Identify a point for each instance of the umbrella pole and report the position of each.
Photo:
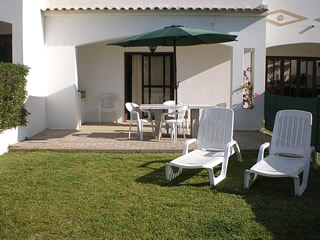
(175, 69)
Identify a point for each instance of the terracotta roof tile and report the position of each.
(212, 9)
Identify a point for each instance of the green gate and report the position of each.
(274, 103)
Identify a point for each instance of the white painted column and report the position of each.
(62, 99)
(249, 119)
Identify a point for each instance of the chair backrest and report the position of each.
(170, 103)
(291, 133)
(107, 100)
(216, 128)
(132, 107)
(181, 113)
(221, 105)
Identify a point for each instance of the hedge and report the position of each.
(13, 94)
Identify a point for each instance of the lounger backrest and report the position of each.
(216, 128)
(291, 133)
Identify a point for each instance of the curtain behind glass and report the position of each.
(137, 79)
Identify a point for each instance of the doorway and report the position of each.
(149, 78)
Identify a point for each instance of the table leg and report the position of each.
(194, 122)
(157, 120)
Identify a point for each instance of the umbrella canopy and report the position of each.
(175, 35)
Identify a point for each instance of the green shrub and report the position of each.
(13, 94)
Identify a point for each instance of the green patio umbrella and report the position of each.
(175, 35)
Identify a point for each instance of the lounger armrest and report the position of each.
(186, 146)
(262, 149)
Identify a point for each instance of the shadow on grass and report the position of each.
(273, 202)
(157, 175)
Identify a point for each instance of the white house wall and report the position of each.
(100, 70)
(33, 57)
(205, 74)
(305, 30)
(295, 50)
(61, 73)
(201, 74)
(251, 37)
(27, 33)
(104, 65)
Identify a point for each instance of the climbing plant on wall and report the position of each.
(13, 94)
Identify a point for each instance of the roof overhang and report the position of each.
(259, 9)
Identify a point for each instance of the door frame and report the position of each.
(128, 74)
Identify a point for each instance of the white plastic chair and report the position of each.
(168, 115)
(221, 105)
(214, 146)
(290, 150)
(135, 117)
(169, 103)
(186, 117)
(176, 121)
(106, 104)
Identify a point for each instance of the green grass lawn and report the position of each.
(47, 195)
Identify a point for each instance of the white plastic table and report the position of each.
(158, 110)
(195, 114)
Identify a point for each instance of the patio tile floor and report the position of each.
(114, 138)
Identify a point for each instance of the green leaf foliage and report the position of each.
(13, 94)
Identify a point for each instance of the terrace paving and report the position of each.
(112, 137)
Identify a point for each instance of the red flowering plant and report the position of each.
(247, 90)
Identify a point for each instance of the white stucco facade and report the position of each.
(100, 68)
(27, 48)
(298, 32)
(64, 44)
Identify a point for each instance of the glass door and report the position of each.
(157, 82)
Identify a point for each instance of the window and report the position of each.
(293, 76)
(157, 79)
(6, 48)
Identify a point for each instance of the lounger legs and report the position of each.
(314, 157)
(237, 150)
(298, 189)
(248, 181)
(215, 180)
(170, 174)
